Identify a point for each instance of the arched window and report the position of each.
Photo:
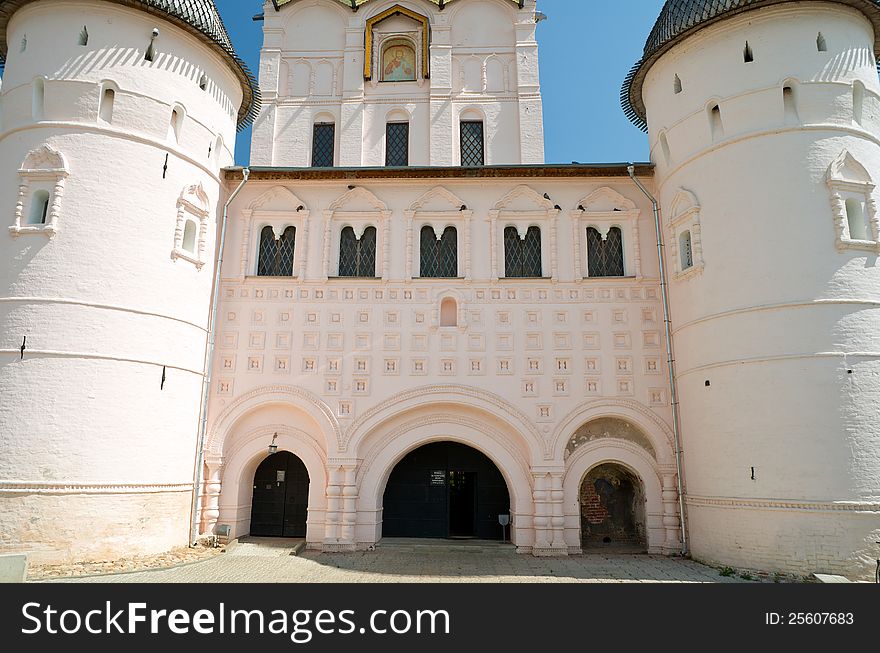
(855, 216)
(190, 231)
(686, 250)
(448, 312)
(108, 100)
(276, 255)
(323, 145)
(605, 255)
(39, 207)
(472, 139)
(439, 258)
(398, 61)
(357, 256)
(522, 256)
(397, 144)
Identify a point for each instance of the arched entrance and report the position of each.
(280, 502)
(612, 501)
(445, 490)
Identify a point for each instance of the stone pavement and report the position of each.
(420, 561)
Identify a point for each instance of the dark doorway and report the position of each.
(281, 497)
(612, 509)
(445, 490)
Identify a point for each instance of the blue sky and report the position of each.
(587, 48)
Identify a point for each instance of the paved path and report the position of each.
(417, 561)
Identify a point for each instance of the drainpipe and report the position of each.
(209, 367)
(664, 293)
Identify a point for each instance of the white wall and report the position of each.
(97, 460)
(782, 321)
(483, 56)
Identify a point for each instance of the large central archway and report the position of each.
(445, 490)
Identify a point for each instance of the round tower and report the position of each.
(116, 118)
(763, 118)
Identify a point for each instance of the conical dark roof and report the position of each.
(199, 17)
(680, 18)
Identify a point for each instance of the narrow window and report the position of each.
(108, 99)
(39, 99)
(858, 101)
(472, 143)
(397, 144)
(855, 215)
(821, 43)
(664, 145)
(438, 258)
(686, 251)
(789, 105)
(522, 256)
(357, 256)
(748, 55)
(150, 54)
(24, 43)
(203, 82)
(39, 207)
(189, 236)
(276, 254)
(676, 85)
(84, 36)
(716, 122)
(448, 313)
(323, 145)
(176, 125)
(605, 255)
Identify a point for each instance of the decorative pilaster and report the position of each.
(671, 519)
(213, 487)
(549, 518)
(341, 518)
(248, 221)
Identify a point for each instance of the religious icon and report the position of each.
(398, 63)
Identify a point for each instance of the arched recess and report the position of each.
(632, 458)
(242, 456)
(388, 443)
(320, 417)
(509, 418)
(651, 425)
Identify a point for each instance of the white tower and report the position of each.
(117, 117)
(763, 120)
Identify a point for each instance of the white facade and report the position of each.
(98, 455)
(338, 342)
(776, 325)
(481, 64)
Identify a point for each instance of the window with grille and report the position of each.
(323, 142)
(276, 255)
(605, 255)
(686, 250)
(439, 257)
(357, 256)
(397, 144)
(522, 257)
(472, 143)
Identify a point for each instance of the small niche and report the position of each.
(858, 102)
(676, 85)
(84, 36)
(448, 313)
(821, 43)
(108, 99)
(664, 145)
(39, 99)
(789, 102)
(716, 122)
(748, 55)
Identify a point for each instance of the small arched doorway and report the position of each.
(445, 490)
(280, 504)
(612, 501)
